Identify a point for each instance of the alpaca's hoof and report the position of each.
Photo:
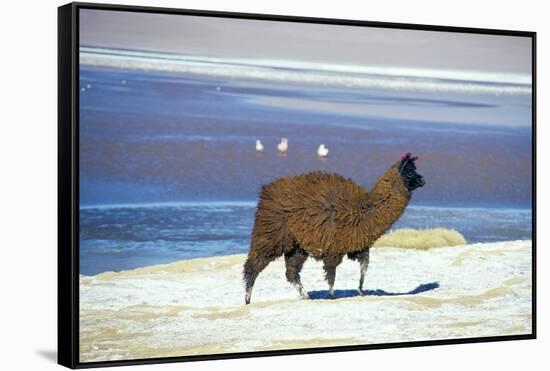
(331, 295)
(361, 292)
(304, 296)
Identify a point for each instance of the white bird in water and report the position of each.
(283, 146)
(322, 151)
(259, 145)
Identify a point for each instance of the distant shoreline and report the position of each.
(337, 75)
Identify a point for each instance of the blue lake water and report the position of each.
(152, 138)
(124, 237)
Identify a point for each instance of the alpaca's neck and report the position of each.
(385, 203)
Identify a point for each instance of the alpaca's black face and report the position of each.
(410, 177)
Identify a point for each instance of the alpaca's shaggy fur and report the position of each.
(325, 216)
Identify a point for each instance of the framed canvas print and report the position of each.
(239, 185)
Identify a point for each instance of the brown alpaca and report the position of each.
(325, 216)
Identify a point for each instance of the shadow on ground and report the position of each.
(50, 355)
(339, 294)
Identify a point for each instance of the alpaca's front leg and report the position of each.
(294, 262)
(329, 266)
(363, 258)
(330, 275)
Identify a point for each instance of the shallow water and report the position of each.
(155, 137)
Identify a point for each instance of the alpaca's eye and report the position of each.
(410, 174)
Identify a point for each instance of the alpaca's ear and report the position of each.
(405, 159)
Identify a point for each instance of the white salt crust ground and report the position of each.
(196, 306)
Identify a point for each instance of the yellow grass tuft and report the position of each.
(421, 239)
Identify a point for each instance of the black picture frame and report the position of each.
(68, 182)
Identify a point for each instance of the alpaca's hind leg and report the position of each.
(250, 276)
(363, 258)
(294, 262)
(329, 266)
